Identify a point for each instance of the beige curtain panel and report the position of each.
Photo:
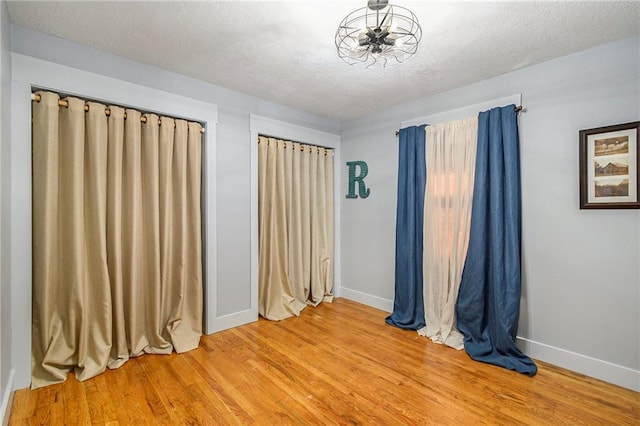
(450, 158)
(295, 215)
(117, 262)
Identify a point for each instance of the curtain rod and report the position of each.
(302, 144)
(107, 111)
(518, 109)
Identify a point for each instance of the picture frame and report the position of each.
(609, 159)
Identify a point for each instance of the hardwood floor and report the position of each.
(337, 363)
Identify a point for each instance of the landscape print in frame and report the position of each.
(609, 159)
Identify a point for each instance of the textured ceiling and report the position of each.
(284, 51)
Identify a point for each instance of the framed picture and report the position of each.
(609, 159)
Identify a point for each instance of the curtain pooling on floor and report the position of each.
(450, 157)
(488, 306)
(408, 307)
(117, 264)
(295, 215)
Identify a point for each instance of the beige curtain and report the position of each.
(450, 156)
(117, 269)
(295, 215)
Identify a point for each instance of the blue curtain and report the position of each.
(408, 305)
(488, 305)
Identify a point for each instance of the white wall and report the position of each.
(5, 134)
(581, 277)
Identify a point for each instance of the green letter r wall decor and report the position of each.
(363, 191)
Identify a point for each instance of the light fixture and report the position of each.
(378, 35)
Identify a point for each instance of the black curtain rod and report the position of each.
(301, 143)
(518, 109)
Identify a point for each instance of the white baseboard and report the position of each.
(367, 299)
(235, 319)
(603, 370)
(7, 397)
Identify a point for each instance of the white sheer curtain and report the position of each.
(450, 157)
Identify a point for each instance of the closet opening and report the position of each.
(117, 236)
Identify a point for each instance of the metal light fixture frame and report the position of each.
(378, 35)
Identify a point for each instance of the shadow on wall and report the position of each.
(524, 323)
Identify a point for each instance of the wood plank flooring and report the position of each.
(337, 363)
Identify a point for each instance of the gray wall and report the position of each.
(233, 171)
(5, 134)
(581, 276)
(233, 141)
(571, 304)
